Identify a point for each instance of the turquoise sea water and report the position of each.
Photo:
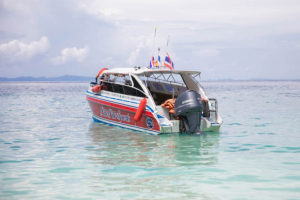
(51, 149)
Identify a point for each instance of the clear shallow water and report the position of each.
(51, 149)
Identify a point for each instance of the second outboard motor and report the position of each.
(188, 107)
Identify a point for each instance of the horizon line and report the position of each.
(70, 78)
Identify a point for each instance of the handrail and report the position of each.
(216, 104)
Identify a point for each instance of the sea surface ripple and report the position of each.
(50, 148)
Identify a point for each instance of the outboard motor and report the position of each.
(188, 107)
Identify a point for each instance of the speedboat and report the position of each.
(152, 100)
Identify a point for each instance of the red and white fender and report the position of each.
(139, 113)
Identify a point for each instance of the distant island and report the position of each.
(65, 78)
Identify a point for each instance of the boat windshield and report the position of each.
(163, 85)
(196, 78)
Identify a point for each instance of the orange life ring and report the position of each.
(139, 113)
(96, 88)
(170, 104)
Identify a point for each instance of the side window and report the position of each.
(108, 86)
(104, 77)
(122, 84)
(129, 90)
(112, 78)
(127, 80)
(136, 84)
(119, 78)
(132, 91)
(118, 88)
(140, 94)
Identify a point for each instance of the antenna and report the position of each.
(168, 40)
(153, 49)
(154, 38)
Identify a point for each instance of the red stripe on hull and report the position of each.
(114, 105)
(122, 114)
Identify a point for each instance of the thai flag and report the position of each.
(168, 62)
(157, 64)
(158, 59)
(152, 62)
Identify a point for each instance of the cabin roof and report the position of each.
(146, 71)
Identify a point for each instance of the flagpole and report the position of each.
(154, 38)
(153, 49)
(168, 41)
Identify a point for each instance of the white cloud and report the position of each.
(16, 50)
(96, 8)
(143, 43)
(109, 11)
(71, 54)
(217, 11)
(16, 6)
(218, 31)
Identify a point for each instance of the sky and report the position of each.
(224, 39)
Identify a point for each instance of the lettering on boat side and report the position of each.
(109, 113)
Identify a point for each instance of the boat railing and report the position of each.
(160, 77)
(213, 108)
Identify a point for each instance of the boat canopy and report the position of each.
(147, 71)
(177, 77)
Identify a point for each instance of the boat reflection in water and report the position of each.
(135, 166)
(115, 146)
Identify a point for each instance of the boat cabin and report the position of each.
(158, 84)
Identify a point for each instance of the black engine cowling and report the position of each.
(188, 107)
